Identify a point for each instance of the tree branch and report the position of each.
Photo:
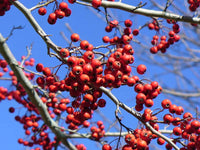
(36, 26)
(35, 99)
(110, 134)
(137, 115)
(42, 5)
(181, 94)
(147, 12)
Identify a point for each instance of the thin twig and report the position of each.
(42, 5)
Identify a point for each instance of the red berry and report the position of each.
(11, 110)
(64, 52)
(168, 118)
(88, 97)
(188, 116)
(151, 26)
(195, 124)
(42, 11)
(148, 102)
(88, 56)
(59, 13)
(99, 123)
(3, 63)
(84, 44)
(179, 110)
(140, 98)
(177, 131)
(106, 39)
(139, 88)
(52, 18)
(46, 71)
(75, 37)
(67, 12)
(77, 70)
(88, 69)
(154, 50)
(108, 28)
(109, 78)
(131, 81)
(72, 61)
(71, 1)
(101, 103)
(96, 3)
(86, 124)
(141, 69)
(135, 32)
(84, 78)
(166, 103)
(113, 23)
(128, 23)
(141, 144)
(171, 33)
(172, 108)
(62, 106)
(139, 107)
(63, 6)
(106, 147)
(176, 121)
(20, 141)
(160, 141)
(154, 84)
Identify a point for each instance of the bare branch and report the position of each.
(11, 32)
(41, 5)
(110, 134)
(181, 94)
(147, 12)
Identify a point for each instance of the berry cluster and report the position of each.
(3, 66)
(127, 34)
(4, 93)
(165, 43)
(154, 25)
(97, 133)
(39, 133)
(193, 5)
(87, 71)
(81, 147)
(61, 12)
(31, 121)
(187, 128)
(4, 6)
(146, 93)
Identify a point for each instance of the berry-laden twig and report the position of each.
(35, 99)
(135, 114)
(36, 26)
(28, 54)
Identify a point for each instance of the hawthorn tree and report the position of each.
(143, 69)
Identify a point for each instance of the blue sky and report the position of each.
(84, 22)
